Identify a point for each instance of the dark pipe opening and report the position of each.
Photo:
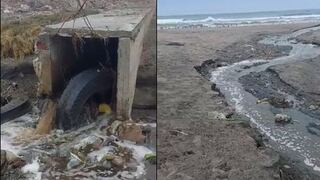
(71, 55)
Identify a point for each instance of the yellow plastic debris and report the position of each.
(105, 108)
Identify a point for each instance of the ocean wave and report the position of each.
(213, 20)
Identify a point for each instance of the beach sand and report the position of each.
(193, 143)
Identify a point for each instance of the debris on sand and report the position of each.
(105, 108)
(221, 115)
(88, 144)
(216, 115)
(263, 101)
(131, 132)
(127, 130)
(152, 158)
(118, 161)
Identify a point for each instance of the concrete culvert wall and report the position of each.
(71, 55)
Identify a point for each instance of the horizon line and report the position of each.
(236, 12)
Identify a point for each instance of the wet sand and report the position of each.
(193, 142)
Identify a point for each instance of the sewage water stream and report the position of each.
(292, 139)
(49, 156)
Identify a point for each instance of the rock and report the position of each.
(246, 67)
(118, 161)
(14, 160)
(221, 64)
(131, 132)
(14, 84)
(10, 161)
(107, 164)
(112, 129)
(213, 87)
(282, 118)
(73, 163)
(224, 64)
(279, 102)
(4, 162)
(229, 113)
(312, 107)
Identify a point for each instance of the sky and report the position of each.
(182, 7)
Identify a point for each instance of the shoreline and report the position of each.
(198, 34)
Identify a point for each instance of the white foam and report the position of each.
(10, 130)
(169, 21)
(33, 170)
(98, 155)
(209, 21)
(138, 154)
(153, 125)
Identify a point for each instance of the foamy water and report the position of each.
(12, 129)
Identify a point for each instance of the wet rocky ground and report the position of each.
(288, 85)
(310, 37)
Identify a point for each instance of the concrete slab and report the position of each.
(114, 23)
(128, 26)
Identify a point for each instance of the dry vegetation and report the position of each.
(17, 37)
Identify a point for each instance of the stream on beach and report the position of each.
(292, 139)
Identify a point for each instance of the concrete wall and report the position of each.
(129, 56)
